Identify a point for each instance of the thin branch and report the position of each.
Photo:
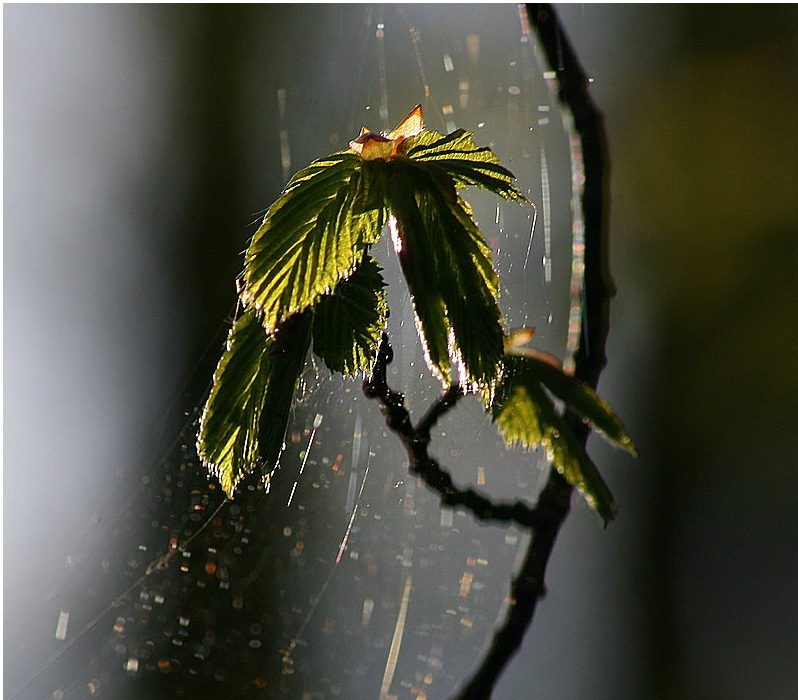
(416, 441)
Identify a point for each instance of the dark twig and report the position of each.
(416, 441)
(554, 500)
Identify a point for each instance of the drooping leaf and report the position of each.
(448, 270)
(348, 324)
(420, 272)
(471, 301)
(244, 420)
(526, 416)
(465, 162)
(581, 399)
(570, 459)
(313, 236)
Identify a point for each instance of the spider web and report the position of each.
(346, 578)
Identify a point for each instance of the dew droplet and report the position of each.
(61, 625)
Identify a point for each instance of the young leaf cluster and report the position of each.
(525, 414)
(309, 281)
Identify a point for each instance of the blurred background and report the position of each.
(142, 144)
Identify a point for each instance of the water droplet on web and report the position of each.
(447, 517)
(61, 625)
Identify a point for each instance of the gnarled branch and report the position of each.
(416, 441)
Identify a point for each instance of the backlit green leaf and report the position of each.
(525, 415)
(458, 156)
(583, 400)
(244, 420)
(570, 459)
(448, 269)
(348, 324)
(307, 274)
(313, 236)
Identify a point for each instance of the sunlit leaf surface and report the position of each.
(460, 158)
(244, 421)
(312, 237)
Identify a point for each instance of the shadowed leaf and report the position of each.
(525, 415)
(449, 272)
(348, 324)
(581, 399)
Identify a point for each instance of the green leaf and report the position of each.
(461, 159)
(313, 236)
(526, 416)
(570, 459)
(244, 420)
(449, 272)
(581, 399)
(348, 324)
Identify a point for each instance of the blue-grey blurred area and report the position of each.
(142, 145)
